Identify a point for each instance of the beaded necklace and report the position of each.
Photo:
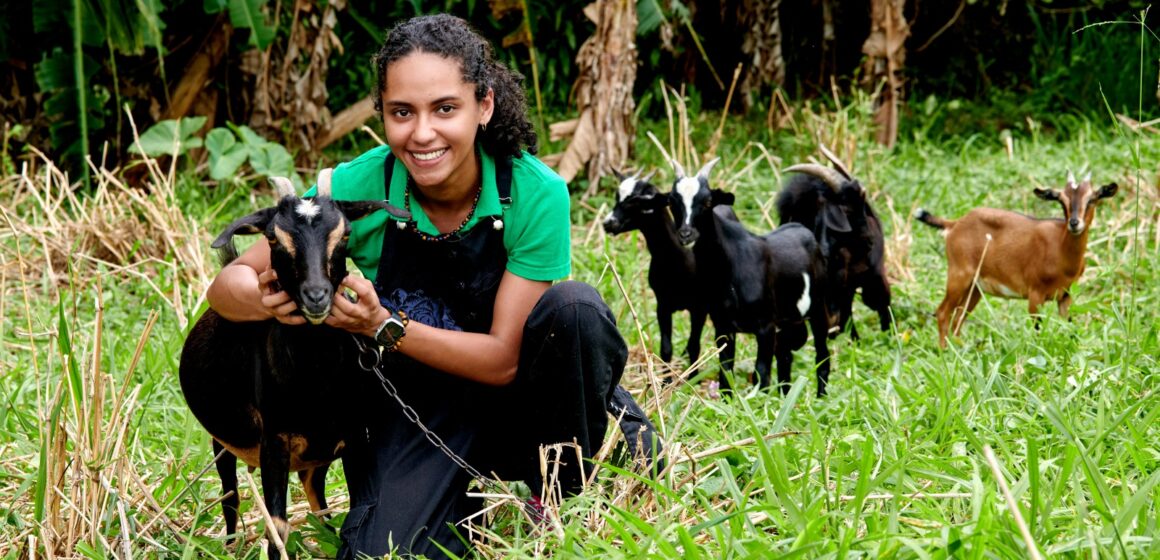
(414, 226)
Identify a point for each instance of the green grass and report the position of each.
(890, 464)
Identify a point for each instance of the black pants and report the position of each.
(406, 494)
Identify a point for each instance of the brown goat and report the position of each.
(1010, 255)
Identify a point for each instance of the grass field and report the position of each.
(99, 456)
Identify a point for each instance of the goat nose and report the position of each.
(315, 296)
(1073, 222)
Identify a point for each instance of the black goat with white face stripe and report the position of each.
(672, 270)
(768, 285)
(266, 392)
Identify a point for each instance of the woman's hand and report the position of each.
(278, 304)
(363, 316)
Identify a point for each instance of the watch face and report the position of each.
(395, 328)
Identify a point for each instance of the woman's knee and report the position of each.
(576, 302)
(571, 292)
(572, 314)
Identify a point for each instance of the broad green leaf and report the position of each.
(226, 155)
(47, 15)
(213, 6)
(219, 140)
(650, 16)
(92, 32)
(248, 14)
(247, 134)
(272, 160)
(167, 138)
(190, 126)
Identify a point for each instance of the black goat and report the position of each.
(849, 233)
(672, 271)
(767, 285)
(267, 392)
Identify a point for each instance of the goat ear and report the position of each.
(357, 209)
(248, 225)
(1107, 191)
(719, 197)
(835, 219)
(654, 201)
(1047, 194)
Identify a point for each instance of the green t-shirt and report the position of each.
(537, 228)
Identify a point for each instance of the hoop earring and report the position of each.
(483, 127)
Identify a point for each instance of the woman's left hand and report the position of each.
(362, 316)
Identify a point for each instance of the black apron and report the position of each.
(400, 483)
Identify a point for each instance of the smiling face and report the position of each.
(431, 117)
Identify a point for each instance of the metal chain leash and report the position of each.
(375, 358)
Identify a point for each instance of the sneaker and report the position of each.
(535, 510)
(642, 438)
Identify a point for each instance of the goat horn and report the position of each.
(705, 169)
(829, 175)
(1087, 178)
(1070, 178)
(680, 171)
(837, 162)
(283, 187)
(616, 173)
(324, 181)
(649, 177)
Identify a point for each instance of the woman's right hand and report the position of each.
(278, 303)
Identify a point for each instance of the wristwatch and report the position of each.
(390, 334)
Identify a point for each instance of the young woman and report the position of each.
(494, 358)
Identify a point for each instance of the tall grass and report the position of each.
(100, 458)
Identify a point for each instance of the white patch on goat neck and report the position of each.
(307, 209)
(687, 188)
(625, 189)
(803, 303)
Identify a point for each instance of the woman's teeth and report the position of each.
(429, 155)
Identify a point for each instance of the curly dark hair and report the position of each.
(448, 36)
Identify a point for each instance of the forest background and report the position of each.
(133, 130)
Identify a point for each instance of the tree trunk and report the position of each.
(197, 72)
(607, 62)
(762, 47)
(290, 87)
(885, 58)
(345, 122)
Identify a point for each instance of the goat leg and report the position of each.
(275, 464)
(784, 354)
(1064, 303)
(766, 346)
(665, 322)
(818, 325)
(314, 484)
(728, 351)
(848, 315)
(227, 468)
(696, 325)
